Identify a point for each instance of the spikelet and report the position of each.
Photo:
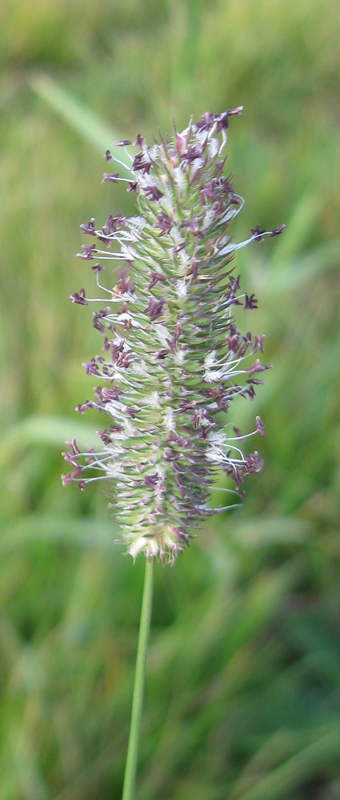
(173, 358)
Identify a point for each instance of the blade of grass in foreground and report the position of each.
(81, 119)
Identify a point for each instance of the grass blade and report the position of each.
(81, 119)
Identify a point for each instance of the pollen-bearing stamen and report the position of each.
(174, 358)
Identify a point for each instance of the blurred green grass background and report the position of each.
(243, 687)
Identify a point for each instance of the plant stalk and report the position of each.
(138, 689)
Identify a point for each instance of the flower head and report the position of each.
(173, 356)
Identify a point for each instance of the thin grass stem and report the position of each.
(138, 690)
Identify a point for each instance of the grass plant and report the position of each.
(243, 671)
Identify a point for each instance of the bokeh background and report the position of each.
(243, 686)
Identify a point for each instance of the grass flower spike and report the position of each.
(173, 355)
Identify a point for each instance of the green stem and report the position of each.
(137, 700)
